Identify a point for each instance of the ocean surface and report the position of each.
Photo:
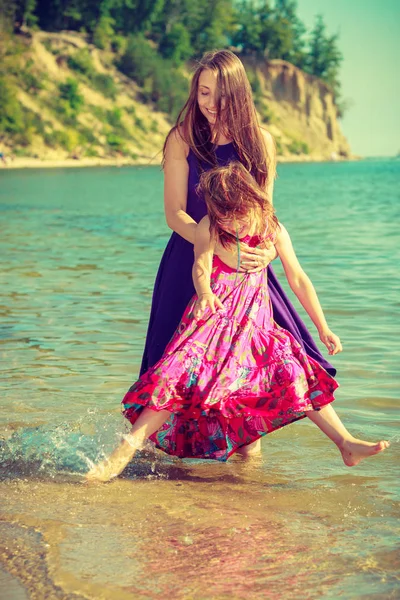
(79, 250)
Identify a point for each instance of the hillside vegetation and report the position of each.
(111, 86)
(64, 98)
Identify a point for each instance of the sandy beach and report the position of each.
(61, 163)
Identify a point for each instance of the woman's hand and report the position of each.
(252, 260)
(331, 341)
(204, 301)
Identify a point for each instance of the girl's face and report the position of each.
(235, 226)
(207, 93)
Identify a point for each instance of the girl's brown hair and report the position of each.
(240, 117)
(231, 192)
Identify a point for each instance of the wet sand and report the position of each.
(200, 530)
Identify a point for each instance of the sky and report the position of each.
(369, 38)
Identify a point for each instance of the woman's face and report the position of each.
(207, 95)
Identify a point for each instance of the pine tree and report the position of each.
(324, 57)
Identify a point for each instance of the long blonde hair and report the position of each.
(240, 117)
(231, 193)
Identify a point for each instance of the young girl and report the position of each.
(230, 374)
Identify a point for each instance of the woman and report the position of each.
(217, 124)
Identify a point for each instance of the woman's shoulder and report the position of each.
(268, 139)
(175, 144)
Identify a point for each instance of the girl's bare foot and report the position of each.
(100, 473)
(253, 449)
(115, 464)
(354, 450)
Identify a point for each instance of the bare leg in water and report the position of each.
(147, 423)
(352, 449)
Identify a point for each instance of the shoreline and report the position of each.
(37, 163)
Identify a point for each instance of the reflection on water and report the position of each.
(79, 251)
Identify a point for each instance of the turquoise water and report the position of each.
(79, 250)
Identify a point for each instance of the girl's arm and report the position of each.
(204, 247)
(304, 290)
(176, 173)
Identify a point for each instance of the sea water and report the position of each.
(79, 251)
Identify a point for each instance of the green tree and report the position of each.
(324, 57)
(251, 23)
(161, 82)
(293, 28)
(16, 13)
(103, 32)
(276, 36)
(55, 15)
(167, 88)
(24, 14)
(133, 16)
(215, 25)
(175, 44)
(208, 22)
(270, 32)
(139, 59)
(51, 14)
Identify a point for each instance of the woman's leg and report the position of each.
(352, 449)
(251, 449)
(148, 423)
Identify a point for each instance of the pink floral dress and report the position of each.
(231, 377)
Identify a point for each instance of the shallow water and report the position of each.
(79, 252)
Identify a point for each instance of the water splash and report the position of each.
(66, 450)
(51, 450)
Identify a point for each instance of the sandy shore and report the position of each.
(37, 163)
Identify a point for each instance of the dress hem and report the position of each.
(231, 452)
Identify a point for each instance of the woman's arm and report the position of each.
(176, 173)
(304, 290)
(202, 267)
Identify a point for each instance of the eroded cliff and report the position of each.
(304, 116)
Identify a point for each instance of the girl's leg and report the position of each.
(353, 450)
(148, 422)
